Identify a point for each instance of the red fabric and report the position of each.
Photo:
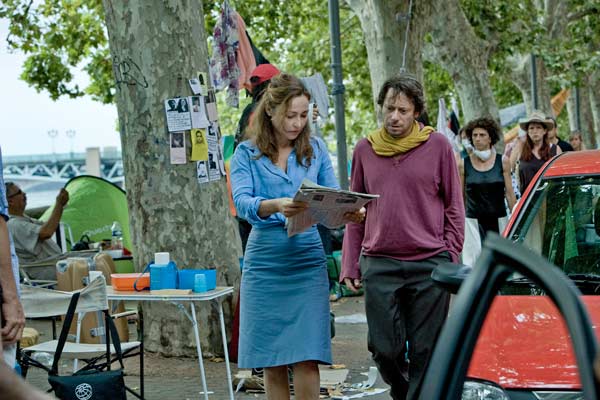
(264, 72)
(244, 55)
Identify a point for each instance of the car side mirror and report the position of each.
(450, 275)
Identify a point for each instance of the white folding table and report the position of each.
(217, 294)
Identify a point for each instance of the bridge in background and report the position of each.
(59, 168)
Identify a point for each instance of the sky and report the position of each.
(27, 115)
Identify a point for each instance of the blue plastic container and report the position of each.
(200, 283)
(186, 278)
(163, 276)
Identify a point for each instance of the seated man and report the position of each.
(32, 238)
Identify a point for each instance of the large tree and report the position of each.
(465, 56)
(156, 46)
(384, 26)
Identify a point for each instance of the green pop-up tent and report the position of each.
(94, 204)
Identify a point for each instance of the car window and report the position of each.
(561, 223)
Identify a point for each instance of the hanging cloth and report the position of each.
(244, 54)
(258, 56)
(442, 125)
(224, 71)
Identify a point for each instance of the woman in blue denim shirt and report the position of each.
(284, 306)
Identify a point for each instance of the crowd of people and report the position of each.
(435, 205)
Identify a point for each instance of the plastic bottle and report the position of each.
(117, 236)
(163, 272)
(46, 359)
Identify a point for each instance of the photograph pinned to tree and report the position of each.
(178, 115)
(198, 85)
(199, 145)
(195, 86)
(177, 147)
(220, 160)
(198, 113)
(214, 130)
(202, 171)
(212, 137)
(211, 105)
(214, 173)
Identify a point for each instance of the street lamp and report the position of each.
(53, 133)
(71, 134)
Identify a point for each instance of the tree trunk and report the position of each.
(587, 114)
(156, 46)
(384, 37)
(465, 57)
(594, 96)
(554, 12)
(521, 75)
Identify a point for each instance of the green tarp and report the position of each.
(94, 204)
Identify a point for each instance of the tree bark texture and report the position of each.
(384, 30)
(465, 56)
(156, 46)
(594, 97)
(586, 126)
(521, 75)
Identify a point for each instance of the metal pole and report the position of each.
(534, 97)
(577, 110)
(337, 92)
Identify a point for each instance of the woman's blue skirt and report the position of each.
(284, 305)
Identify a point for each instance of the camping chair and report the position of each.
(25, 270)
(41, 303)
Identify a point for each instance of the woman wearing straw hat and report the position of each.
(533, 148)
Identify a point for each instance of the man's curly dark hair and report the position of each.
(487, 123)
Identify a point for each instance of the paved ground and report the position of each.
(179, 378)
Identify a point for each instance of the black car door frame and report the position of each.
(448, 367)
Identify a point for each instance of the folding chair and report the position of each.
(42, 303)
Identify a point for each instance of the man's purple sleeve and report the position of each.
(454, 208)
(353, 236)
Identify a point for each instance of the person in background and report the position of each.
(576, 141)
(465, 145)
(415, 224)
(486, 178)
(12, 315)
(553, 136)
(533, 149)
(33, 238)
(259, 79)
(284, 315)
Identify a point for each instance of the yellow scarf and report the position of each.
(386, 145)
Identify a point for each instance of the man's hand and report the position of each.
(62, 198)
(12, 312)
(315, 115)
(358, 217)
(289, 207)
(353, 284)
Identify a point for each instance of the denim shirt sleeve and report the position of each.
(3, 201)
(243, 185)
(326, 175)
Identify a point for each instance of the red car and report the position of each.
(524, 350)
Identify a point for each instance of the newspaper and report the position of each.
(326, 206)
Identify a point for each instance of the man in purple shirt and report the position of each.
(415, 224)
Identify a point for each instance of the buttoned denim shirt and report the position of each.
(256, 179)
(4, 214)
